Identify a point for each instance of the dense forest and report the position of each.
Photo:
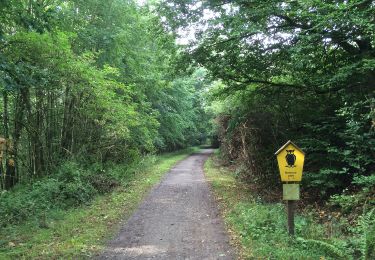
(86, 85)
(299, 70)
(86, 81)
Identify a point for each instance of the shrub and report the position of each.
(70, 186)
(30, 200)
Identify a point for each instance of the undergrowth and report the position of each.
(73, 213)
(259, 228)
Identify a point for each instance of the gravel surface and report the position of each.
(178, 220)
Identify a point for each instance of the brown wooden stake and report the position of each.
(290, 205)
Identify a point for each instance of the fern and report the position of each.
(367, 235)
(332, 250)
(365, 242)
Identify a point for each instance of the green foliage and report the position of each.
(29, 201)
(264, 228)
(260, 222)
(364, 242)
(92, 82)
(182, 116)
(74, 184)
(296, 71)
(262, 232)
(70, 186)
(82, 232)
(328, 249)
(365, 181)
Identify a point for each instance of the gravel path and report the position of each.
(178, 220)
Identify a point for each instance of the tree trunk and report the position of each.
(37, 135)
(4, 153)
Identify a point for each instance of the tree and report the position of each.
(90, 82)
(293, 70)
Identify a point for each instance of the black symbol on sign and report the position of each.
(290, 158)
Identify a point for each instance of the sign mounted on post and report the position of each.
(290, 159)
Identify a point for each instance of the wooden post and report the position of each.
(290, 206)
(290, 159)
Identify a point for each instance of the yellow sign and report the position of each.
(290, 159)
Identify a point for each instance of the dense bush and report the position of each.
(71, 185)
(339, 147)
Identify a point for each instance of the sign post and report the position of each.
(290, 159)
(290, 210)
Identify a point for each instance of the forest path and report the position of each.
(178, 220)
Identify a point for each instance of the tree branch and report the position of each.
(266, 82)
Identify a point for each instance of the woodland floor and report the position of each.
(178, 220)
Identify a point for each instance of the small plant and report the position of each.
(262, 232)
(364, 242)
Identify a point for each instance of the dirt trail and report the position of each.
(178, 220)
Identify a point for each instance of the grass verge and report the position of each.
(82, 232)
(259, 229)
